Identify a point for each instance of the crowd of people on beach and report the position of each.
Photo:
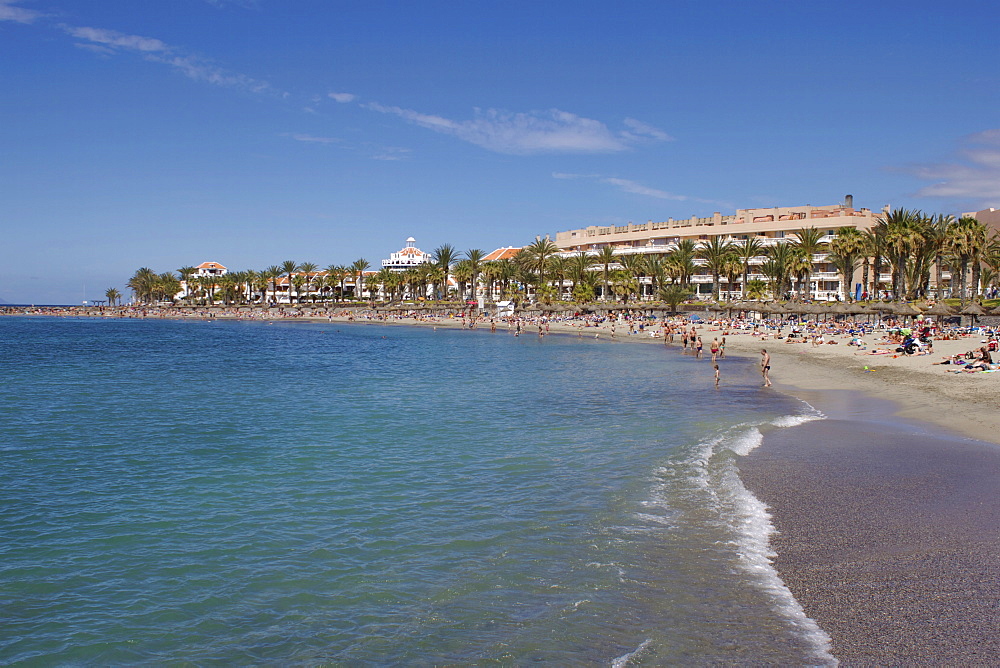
(887, 338)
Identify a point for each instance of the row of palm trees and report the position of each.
(906, 244)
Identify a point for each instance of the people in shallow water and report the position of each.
(765, 367)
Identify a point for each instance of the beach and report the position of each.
(887, 531)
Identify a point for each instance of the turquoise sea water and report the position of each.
(295, 493)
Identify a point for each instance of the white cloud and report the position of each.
(973, 178)
(9, 12)
(639, 130)
(342, 97)
(315, 140)
(551, 131)
(391, 153)
(635, 188)
(112, 38)
(638, 189)
(195, 68)
(107, 42)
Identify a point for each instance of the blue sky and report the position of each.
(164, 133)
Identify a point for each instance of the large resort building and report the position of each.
(773, 225)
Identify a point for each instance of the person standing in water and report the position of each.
(716, 376)
(765, 367)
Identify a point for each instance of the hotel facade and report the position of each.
(772, 226)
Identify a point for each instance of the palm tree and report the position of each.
(309, 269)
(558, 268)
(475, 257)
(112, 295)
(186, 273)
(902, 236)
(606, 257)
(289, 267)
(674, 294)
(680, 261)
(207, 284)
(716, 252)
(143, 284)
(271, 274)
(337, 274)
(733, 271)
(968, 243)
(624, 284)
(463, 274)
(747, 251)
(849, 245)
(535, 257)
(936, 236)
(444, 256)
(657, 271)
(779, 265)
(809, 241)
(384, 279)
(358, 269)
(635, 266)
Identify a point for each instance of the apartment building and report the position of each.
(772, 225)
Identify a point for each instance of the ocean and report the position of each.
(350, 494)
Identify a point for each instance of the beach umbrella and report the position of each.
(974, 309)
(996, 311)
(905, 309)
(940, 309)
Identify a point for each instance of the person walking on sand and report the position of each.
(765, 367)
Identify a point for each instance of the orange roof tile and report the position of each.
(502, 254)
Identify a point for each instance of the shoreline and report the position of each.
(886, 527)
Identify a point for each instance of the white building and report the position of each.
(407, 258)
(210, 269)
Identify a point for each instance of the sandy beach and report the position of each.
(887, 525)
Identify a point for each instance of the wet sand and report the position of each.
(889, 533)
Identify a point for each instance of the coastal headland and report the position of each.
(887, 527)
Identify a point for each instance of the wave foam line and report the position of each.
(625, 659)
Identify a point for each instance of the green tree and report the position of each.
(715, 253)
(751, 248)
(289, 267)
(606, 258)
(444, 256)
(674, 294)
(809, 241)
(476, 263)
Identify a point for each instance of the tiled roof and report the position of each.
(502, 254)
(209, 265)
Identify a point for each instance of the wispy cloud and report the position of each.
(192, 66)
(314, 140)
(343, 98)
(391, 153)
(637, 130)
(9, 11)
(625, 185)
(551, 131)
(634, 187)
(114, 39)
(974, 176)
